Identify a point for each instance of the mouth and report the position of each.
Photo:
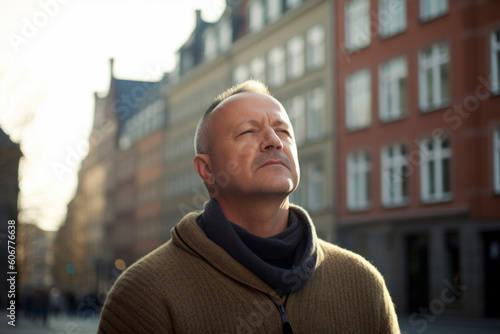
(273, 163)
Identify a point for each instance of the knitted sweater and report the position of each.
(191, 285)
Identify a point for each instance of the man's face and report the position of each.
(253, 149)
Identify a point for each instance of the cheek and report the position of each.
(245, 147)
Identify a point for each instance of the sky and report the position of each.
(54, 54)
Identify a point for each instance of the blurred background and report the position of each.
(395, 106)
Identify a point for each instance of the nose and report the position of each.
(271, 141)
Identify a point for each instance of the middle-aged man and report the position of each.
(251, 261)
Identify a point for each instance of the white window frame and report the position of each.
(210, 44)
(432, 163)
(297, 197)
(439, 57)
(358, 181)
(496, 160)
(258, 69)
(495, 61)
(393, 77)
(276, 70)
(225, 32)
(255, 16)
(358, 100)
(315, 187)
(297, 113)
(290, 4)
(394, 175)
(392, 17)
(315, 50)
(431, 9)
(357, 24)
(316, 113)
(274, 10)
(240, 74)
(295, 62)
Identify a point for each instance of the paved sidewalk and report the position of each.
(55, 325)
(448, 325)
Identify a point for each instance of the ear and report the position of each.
(203, 166)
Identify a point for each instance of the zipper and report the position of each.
(287, 326)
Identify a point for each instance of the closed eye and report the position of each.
(284, 131)
(247, 131)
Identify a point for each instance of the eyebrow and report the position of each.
(255, 122)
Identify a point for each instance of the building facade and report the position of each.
(418, 149)
(10, 155)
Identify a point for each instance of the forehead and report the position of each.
(249, 106)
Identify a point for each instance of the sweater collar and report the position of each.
(285, 261)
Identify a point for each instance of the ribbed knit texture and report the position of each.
(191, 285)
(285, 261)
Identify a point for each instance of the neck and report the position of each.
(262, 218)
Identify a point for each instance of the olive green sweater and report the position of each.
(191, 285)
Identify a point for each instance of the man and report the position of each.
(251, 261)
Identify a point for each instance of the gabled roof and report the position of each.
(6, 142)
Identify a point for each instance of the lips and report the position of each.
(273, 162)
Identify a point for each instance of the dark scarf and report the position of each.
(284, 261)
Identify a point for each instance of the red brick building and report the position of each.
(419, 149)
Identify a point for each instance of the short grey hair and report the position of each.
(203, 138)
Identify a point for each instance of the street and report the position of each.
(67, 325)
(55, 325)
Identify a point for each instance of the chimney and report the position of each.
(111, 66)
(198, 17)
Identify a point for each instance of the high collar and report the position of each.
(189, 236)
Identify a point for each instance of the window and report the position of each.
(240, 74)
(430, 9)
(273, 10)
(357, 24)
(495, 61)
(225, 35)
(392, 94)
(295, 57)
(358, 181)
(391, 17)
(394, 175)
(296, 113)
(316, 113)
(315, 47)
(435, 169)
(293, 3)
(276, 66)
(256, 16)
(297, 196)
(434, 77)
(496, 160)
(258, 69)
(358, 100)
(315, 187)
(210, 44)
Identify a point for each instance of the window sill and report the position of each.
(392, 34)
(443, 105)
(444, 199)
(359, 209)
(387, 120)
(424, 20)
(354, 49)
(357, 128)
(401, 204)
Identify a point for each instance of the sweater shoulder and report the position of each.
(347, 262)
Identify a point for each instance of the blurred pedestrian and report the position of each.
(251, 261)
